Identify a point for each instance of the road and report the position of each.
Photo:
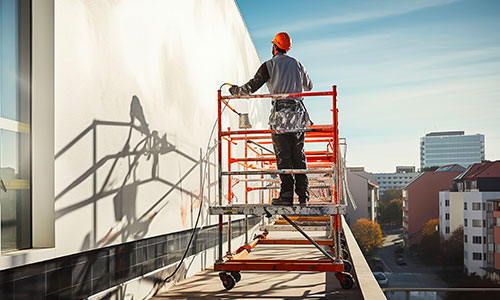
(414, 274)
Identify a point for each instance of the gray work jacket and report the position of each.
(284, 75)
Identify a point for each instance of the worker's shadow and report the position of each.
(123, 186)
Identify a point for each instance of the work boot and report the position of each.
(282, 201)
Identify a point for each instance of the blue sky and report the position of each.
(403, 69)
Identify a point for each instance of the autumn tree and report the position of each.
(368, 235)
(430, 227)
(429, 245)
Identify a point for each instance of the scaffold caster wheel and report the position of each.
(345, 279)
(345, 254)
(347, 265)
(227, 280)
(236, 275)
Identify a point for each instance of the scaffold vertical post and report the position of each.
(336, 226)
(229, 191)
(219, 167)
(246, 192)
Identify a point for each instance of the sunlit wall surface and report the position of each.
(15, 114)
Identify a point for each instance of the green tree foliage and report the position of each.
(389, 195)
(368, 235)
(429, 245)
(392, 213)
(452, 250)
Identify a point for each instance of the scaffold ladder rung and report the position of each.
(279, 172)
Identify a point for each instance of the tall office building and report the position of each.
(451, 147)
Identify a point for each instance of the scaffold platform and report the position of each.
(265, 209)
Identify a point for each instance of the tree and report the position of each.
(392, 213)
(453, 249)
(368, 235)
(430, 228)
(429, 246)
(389, 195)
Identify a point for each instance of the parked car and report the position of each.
(376, 265)
(401, 261)
(382, 280)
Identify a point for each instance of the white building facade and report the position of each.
(475, 230)
(398, 180)
(365, 195)
(106, 142)
(451, 212)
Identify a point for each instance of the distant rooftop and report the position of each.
(441, 133)
(451, 168)
(484, 169)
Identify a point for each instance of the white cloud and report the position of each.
(370, 10)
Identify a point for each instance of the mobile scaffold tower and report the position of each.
(326, 203)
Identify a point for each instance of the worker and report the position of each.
(289, 118)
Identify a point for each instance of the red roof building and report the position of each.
(421, 200)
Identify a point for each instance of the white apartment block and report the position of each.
(475, 230)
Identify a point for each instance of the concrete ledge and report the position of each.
(366, 281)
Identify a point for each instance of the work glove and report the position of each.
(235, 90)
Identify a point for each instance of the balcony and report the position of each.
(284, 285)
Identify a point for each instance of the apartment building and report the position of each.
(475, 190)
(493, 239)
(398, 180)
(421, 200)
(365, 195)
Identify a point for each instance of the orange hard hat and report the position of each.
(283, 41)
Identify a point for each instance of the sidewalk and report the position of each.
(266, 285)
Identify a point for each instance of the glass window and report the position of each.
(15, 115)
(476, 256)
(465, 238)
(476, 240)
(447, 216)
(476, 206)
(476, 223)
(447, 229)
(465, 205)
(446, 202)
(465, 222)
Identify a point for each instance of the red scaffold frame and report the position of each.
(319, 162)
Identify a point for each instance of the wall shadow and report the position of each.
(149, 148)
